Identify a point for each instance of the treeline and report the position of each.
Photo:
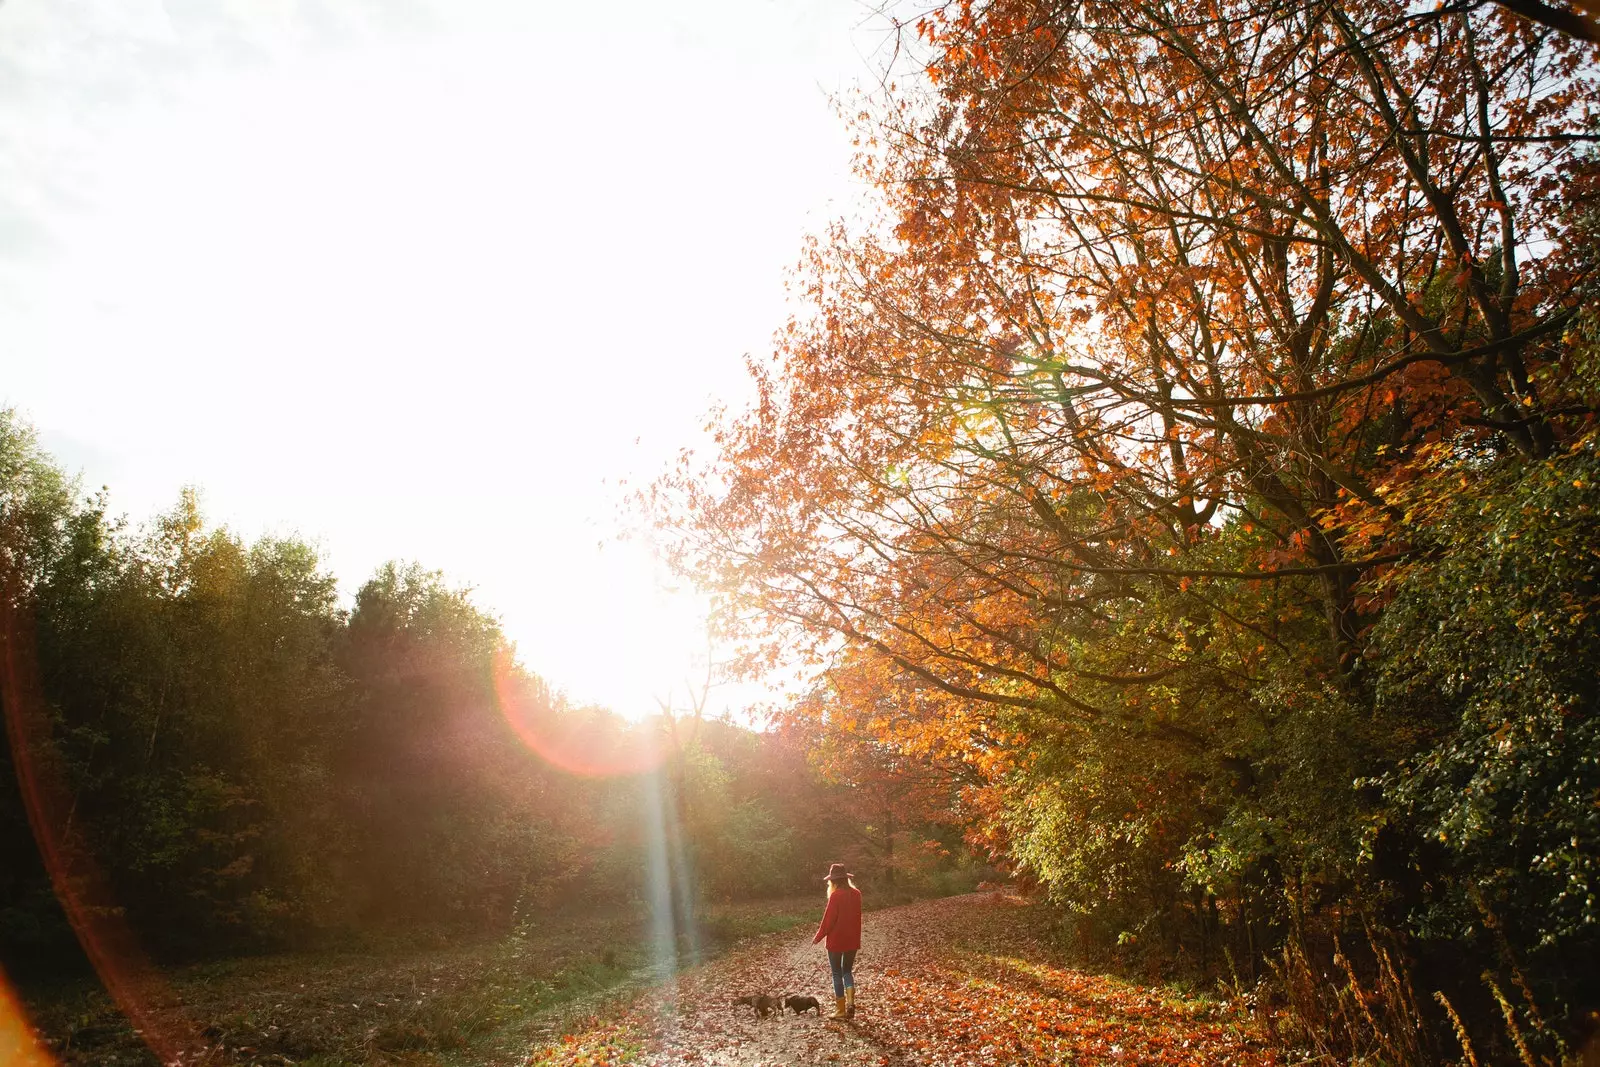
(1196, 462)
(223, 757)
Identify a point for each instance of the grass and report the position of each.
(475, 1003)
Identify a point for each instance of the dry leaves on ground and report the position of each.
(958, 981)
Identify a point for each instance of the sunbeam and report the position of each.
(653, 817)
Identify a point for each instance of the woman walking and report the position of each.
(841, 925)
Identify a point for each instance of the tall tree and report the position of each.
(1099, 454)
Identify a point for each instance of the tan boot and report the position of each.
(850, 1002)
(839, 1010)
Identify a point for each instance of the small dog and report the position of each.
(802, 1004)
(763, 1004)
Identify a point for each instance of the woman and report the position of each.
(841, 925)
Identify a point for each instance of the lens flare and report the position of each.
(588, 743)
(122, 967)
(18, 1046)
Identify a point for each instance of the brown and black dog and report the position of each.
(802, 1004)
(763, 1004)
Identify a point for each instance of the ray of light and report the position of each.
(658, 872)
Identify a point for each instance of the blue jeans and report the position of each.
(841, 962)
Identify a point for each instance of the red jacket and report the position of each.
(841, 923)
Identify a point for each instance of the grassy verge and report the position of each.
(480, 1003)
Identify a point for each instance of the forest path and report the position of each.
(962, 980)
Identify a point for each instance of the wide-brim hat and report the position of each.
(837, 873)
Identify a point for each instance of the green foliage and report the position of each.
(1494, 641)
(36, 508)
(250, 765)
(1102, 842)
(752, 854)
(1439, 792)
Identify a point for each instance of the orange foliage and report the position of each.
(1156, 306)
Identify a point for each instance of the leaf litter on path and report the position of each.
(958, 981)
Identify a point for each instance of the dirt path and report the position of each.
(956, 981)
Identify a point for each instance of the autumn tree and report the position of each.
(1098, 453)
(894, 807)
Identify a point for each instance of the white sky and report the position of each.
(415, 281)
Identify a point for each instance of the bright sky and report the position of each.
(417, 280)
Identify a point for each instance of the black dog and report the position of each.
(763, 1004)
(802, 1004)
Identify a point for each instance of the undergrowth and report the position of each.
(406, 1006)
